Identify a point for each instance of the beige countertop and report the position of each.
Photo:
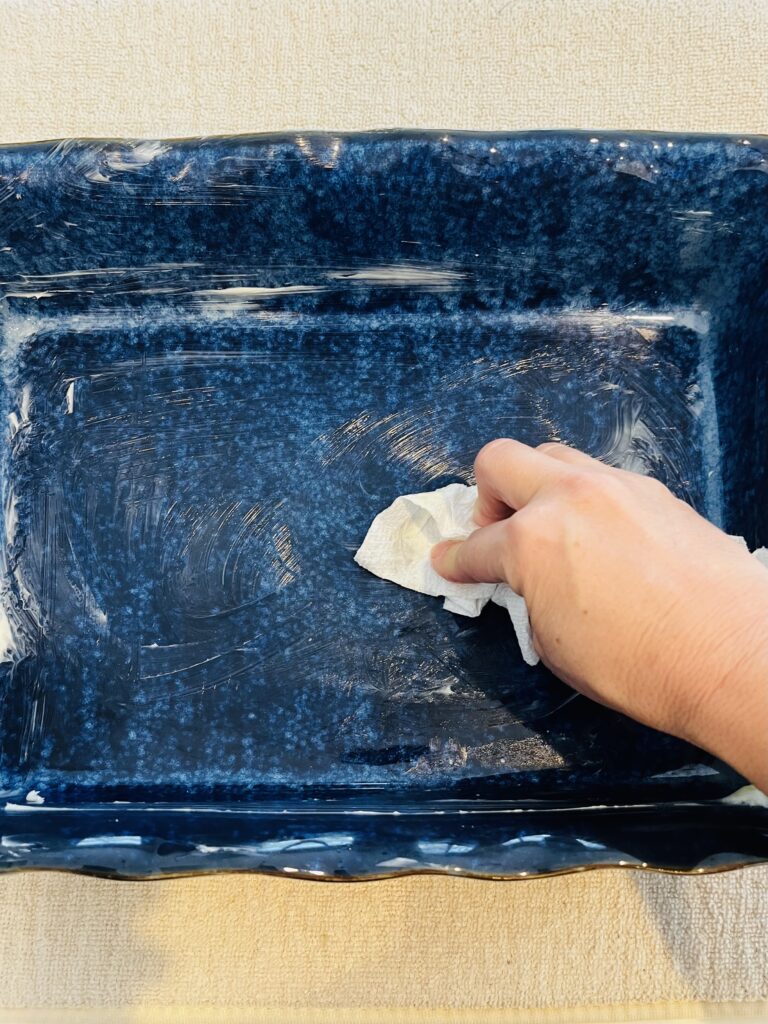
(423, 948)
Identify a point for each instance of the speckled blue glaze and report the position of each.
(220, 359)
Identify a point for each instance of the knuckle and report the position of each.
(577, 486)
(654, 487)
(593, 488)
(523, 528)
(529, 535)
(550, 447)
(515, 528)
(489, 453)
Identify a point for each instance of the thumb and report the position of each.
(484, 557)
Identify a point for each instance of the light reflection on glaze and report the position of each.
(221, 560)
(217, 372)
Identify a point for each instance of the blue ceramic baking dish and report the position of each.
(220, 359)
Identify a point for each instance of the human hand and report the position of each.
(634, 599)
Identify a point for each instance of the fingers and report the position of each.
(485, 556)
(509, 474)
(571, 456)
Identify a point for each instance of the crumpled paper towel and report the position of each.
(400, 539)
(398, 545)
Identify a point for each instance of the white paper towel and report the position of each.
(398, 544)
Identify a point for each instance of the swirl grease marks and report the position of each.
(182, 508)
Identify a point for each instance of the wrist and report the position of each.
(728, 708)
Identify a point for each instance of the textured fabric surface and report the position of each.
(603, 936)
(185, 67)
(164, 67)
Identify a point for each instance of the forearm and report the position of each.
(634, 598)
(731, 721)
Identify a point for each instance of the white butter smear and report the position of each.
(747, 796)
